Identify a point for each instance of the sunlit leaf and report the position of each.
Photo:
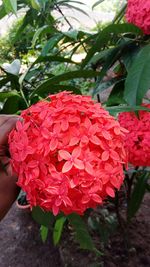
(58, 228)
(10, 5)
(44, 232)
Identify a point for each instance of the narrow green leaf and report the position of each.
(44, 232)
(64, 77)
(53, 41)
(41, 59)
(35, 4)
(10, 5)
(117, 109)
(58, 228)
(2, 12)
(97, 3)
(42, 218)
(120, 14)
(38, 33)
(73, 34)
(138, 78)
(47, 89)
(4, 95)
(138, 194)
(81, 233)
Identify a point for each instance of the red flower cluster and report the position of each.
(68, 153)
(138, 13)
(137, 140)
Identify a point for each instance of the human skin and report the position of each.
(8, 187)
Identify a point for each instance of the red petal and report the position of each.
(85, 139)
(45, 133)
(114, 155)
(117, 130)
(32, 164)
(110, 191)
(35, 172)
(19, 126)
(85, 199)
(64, 125)
(78, 164)
(87, 123)
(106, 135)
(105, 155)
(55, 210)
(89, 168)
(64, 154)
(53, 144)
(73, 141)
(95, 140)
(58, 201)
(67, 201)
(76, 152)
(96, 198)
(67, 166)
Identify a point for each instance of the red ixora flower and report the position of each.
(137, 140)
(138, 13)
(68, 153)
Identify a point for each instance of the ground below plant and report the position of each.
(21, 246)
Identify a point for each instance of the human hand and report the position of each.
(8, 187)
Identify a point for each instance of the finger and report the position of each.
(5, 118)
(5, 129)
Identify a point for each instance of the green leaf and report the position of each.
(64, 77)
(58, 228)
(97, 3)
(138, 78)
(107, 84)
(42, 218)
(10, 6)
(44, 232)
(11, 105)
(117, 109)
(73, 34)
(51, 43)
(4, 95)
(41, 59)
(47, 89)
(138, 194)
(38, 33)
(2, 11)
(116, 95)
(26, 21)
(106, 35)
(81, 233)
(112, 56)
(36, 4)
